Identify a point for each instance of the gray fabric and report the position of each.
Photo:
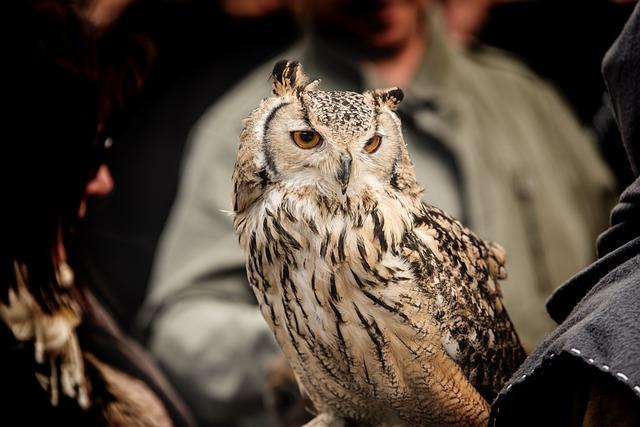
(524, 175)
(599, 308)
(621, 68)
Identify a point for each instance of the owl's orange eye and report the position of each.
(373, 144)
(306, 138)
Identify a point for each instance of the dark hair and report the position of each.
(50, 138)
(61, 97)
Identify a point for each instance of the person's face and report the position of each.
(384, 25)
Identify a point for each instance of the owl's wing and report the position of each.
(459, 274)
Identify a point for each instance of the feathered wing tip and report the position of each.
(54, 337)
(497, 261)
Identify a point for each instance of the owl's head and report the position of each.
(338, 144)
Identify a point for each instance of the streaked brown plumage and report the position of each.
(388, 309)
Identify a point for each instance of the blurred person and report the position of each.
(587, 371)
(495, 145)
(63, 359)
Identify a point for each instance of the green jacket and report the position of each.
(490, 142)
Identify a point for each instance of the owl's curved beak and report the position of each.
(344, 173)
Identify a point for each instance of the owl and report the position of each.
(388, 310)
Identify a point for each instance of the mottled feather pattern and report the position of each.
(388, 310)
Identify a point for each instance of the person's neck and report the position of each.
(400, 68)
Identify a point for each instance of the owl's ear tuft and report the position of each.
(389, 97)
(287, 77)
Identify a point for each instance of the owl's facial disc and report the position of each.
(338, 143)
